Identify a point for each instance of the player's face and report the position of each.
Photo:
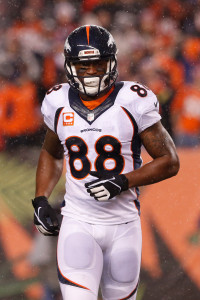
(91, 68)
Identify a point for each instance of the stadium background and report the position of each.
(159, 45)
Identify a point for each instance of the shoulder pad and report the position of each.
(142, 104)
(55, 98)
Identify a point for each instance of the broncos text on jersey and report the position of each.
(105, 138)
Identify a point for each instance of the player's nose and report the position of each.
(91, 69)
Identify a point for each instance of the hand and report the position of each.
(106, 187)
(45, 218)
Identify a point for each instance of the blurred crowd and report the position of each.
(158, 45)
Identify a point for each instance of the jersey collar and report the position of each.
(91, 115)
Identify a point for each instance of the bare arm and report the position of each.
(50, 165)
(165, 163)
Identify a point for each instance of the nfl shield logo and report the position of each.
(90, 117)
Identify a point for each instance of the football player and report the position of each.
(99, 126)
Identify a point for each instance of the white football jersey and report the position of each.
(106, 138)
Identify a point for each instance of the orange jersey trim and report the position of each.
(94, 103)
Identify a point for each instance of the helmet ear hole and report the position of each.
(90, 43)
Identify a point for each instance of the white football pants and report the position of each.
(92, 256)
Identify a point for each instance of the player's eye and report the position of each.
(84, 64)
(82, 67)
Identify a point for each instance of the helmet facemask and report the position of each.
(91, 85)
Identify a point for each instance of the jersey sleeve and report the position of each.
(48, 112)
(147, 111)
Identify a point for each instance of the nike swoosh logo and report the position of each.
(100, 182)
(38, 218)
(156, 104)
(39, 210)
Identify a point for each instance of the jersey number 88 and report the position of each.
(106, 147)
